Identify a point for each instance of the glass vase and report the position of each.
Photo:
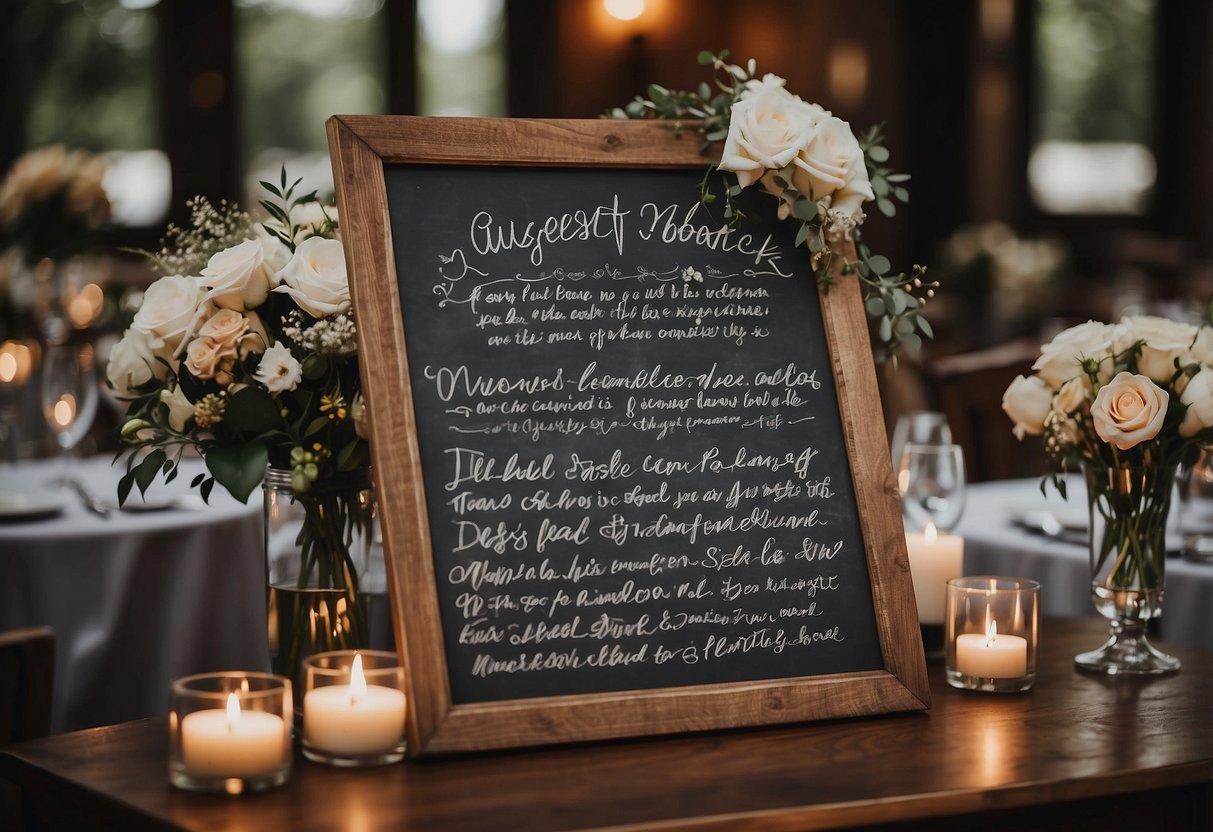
(1128, 510)
(319, 557)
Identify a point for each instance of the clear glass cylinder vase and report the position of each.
(1128, 518)
(321, 564)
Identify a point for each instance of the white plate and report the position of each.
(17, 505)
(1051, 519)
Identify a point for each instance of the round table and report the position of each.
(136, 598)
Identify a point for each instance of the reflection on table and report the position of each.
(1007, 531)
(136, 598)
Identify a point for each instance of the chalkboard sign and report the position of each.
(631, 465)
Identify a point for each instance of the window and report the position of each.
(94, 87)
(461, 62)
(299, 62)
(1092, 143)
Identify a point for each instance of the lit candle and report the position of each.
(355, 719)
(934, 560)
(991, 656)
(233, 743)
(16, 362)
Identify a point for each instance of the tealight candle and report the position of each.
(991, 656)
(992, 627)
(230, 732)
(353, 708)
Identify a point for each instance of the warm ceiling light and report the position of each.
(624, 9)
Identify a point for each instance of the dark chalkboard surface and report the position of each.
(624, 442)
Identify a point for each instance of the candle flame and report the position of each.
(929, 532)
(64, 411)
(233, 712)
(357, 680)
(991, 632)
(8, 367)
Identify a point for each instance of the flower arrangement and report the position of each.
(811, 161)
(244, 350)
(1129, 403)
(1137, 393)
(49, 200)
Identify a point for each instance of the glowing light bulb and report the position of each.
(624, 9)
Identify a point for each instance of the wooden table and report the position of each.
(1078, 751)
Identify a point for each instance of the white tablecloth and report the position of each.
(135, 599)
(996, 545)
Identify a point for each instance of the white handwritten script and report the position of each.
(635, 454)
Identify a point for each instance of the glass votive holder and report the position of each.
(353, 708)
(992, 631)
(230, 732)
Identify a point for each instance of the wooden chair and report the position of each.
(27, 669)
(968, 389)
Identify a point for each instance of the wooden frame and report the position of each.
(360, 147)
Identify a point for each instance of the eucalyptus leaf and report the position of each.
(879, 263)
(886, 207)
(877, 153)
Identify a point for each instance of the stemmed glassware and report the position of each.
(932, 483)
(922, 427)
(69, 396)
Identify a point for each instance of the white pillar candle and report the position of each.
(230, 743)
(934, 560)
(353, 720)
(991, 656)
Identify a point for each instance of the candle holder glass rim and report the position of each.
(994, 583)
(268, 685)
(377, 666)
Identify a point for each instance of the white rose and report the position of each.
(132, 362)
(1129, 410)
(169, 310)
(180, 409)
(1061, 359)
(1072, 394)
(237, 277)
(1202, 347)
(768, 128)
(312, 216)
(1027, 401)
(358, 414)
(1164, 342)
(1198, 396)
(832, 165)
(274, 252)
(316, 278)
(278, 370)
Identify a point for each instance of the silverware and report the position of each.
(91, 503)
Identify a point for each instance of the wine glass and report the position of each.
(69, 395)
(922, 427)
(931, 479)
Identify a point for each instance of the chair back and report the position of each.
(27, 672)
(968, 389)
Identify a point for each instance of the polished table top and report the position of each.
(1074, 736)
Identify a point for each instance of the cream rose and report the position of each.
(832, 165)
(226, 327)
(1061, 359)
(237, 277)
(1164, 341)
(205, 357)
(1071, 395)
(1129, 410)
(1198, 396)
(132, 362)
(1202, 347)
(180, 409)
(1027, 401)
(768, 128)
(316, 278)
(169, 310)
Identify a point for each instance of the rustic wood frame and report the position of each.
(360, 147)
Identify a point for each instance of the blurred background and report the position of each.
(1059, 149)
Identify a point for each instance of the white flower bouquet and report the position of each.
(1137, 393)
(244, 350)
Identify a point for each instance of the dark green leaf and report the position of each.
(124, 486)
(145, 472)
(252, 410)
(206, 488)
(705, 57)
(198, 479)
(315, 366)
(316, 425)
(352, 455)
(238, 468)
